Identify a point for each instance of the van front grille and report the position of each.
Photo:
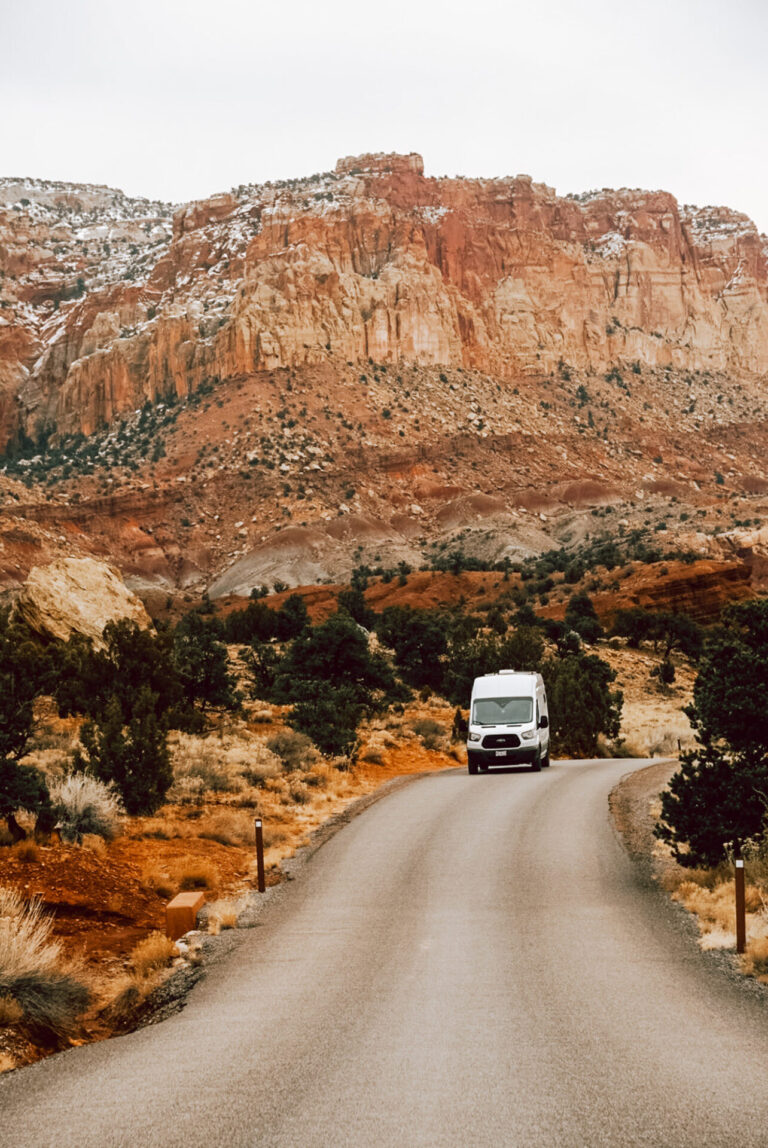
(501, 741)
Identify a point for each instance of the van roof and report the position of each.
(488, 685)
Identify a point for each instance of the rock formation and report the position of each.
(105, 306)
(77, 596)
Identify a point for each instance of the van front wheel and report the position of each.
(536, 767)
(472, 766)
(545, 760)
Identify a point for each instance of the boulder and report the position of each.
(77, 596)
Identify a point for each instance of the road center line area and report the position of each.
(472, 961)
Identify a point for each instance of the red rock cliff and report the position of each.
(104, 305)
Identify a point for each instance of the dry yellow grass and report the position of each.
(223, 915)
(151, 953)
(227, 826)
(196, 873)
(715, 907)
(7, 1063)
(755, 961)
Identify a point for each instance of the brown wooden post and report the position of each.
(741, 913)
(260, 855)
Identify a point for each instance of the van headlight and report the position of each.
(528, 734)
(474, 737)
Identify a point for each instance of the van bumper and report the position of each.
(524, 755)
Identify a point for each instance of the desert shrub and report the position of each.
(158, 879)
(755, 960)
(192, 873)
(373, 756)
(203, 764)
(50, 998)
(27, 851)
(223, 915)
(431, 732)
(257, 772)
(227, 826)
(299, 793)
(295, 750)
(83, 804)
(151, 953)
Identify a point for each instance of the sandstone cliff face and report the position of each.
(373, 260)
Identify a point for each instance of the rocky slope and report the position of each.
(380, 362)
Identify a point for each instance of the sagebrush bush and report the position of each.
(432, 733)
(84, 805)
(294, 749)
(50, 998)
(203, 766)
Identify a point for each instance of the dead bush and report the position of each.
(151, 953)
(373, 756)
(294, 749)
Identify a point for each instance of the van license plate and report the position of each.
(501, 753)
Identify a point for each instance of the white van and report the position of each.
(508, 721)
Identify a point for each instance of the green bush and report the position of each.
(133, 756)
(717, 799)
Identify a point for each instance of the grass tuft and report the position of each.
(152, 953)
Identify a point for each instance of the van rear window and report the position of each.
(502, 711)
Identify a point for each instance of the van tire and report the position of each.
(536, 767)
(472, 766)
(545, 760)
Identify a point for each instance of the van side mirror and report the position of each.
(543, 721)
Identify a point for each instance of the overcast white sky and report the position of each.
(178, 99)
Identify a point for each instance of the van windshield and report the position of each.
(502, 711)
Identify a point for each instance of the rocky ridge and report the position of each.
(370, 365)
(371, 260)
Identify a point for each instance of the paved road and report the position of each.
(472, 961)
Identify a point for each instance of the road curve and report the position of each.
(472, 961)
